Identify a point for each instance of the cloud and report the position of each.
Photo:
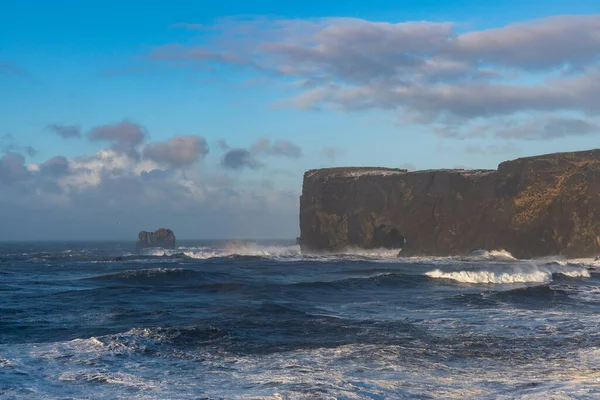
(177, 152)
(125, 136)
(8, 144)
(12, 168)
(571, 40)
(284, 148)
(66, 131)
(56, 166)
(523, 127)
(425, 72)
(124, 132)
(550, 128)
(108, 194)
(238, 159)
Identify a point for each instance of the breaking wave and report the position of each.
(279, 252)
(492, 277)
(534, 275)
(493, 255)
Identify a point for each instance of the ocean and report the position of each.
(219, 320)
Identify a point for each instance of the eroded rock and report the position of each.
(535, 206)
(162, 238)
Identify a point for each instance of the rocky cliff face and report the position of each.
(536, 206)
(163, 238)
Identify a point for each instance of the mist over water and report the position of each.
(260, 320)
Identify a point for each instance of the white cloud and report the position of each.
(426, 72)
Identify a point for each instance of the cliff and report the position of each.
(164, 238)
(531, 207)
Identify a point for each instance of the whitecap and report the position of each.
(493, 255)
(492, 277)
(525, 273)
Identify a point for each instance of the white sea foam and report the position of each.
(580, 273)
(493, 255)
(242, 249)
(279, 252)
(492, 277)
(523, 274)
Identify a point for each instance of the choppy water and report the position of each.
(215, 320)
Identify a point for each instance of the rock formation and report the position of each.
(163, 238)
(531, 207)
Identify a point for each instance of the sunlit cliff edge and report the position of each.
(535, 206)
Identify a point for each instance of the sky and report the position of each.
(202, 117)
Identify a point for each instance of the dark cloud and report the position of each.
(125, 136)
(239, 159)
(284, 148)
(12, 168)
(66, 131)
(180, 151)
(124, 132)
(56, 166)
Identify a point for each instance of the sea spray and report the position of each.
(492, 277)
(529, 274)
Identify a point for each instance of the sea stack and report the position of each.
(535, 206)
(162, 238)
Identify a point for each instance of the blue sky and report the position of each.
(471, 84)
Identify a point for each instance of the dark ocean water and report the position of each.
(254, 321)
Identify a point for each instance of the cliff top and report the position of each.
(357, 172)
(586, 156)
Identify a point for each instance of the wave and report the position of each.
(151, 276)
(379, 279)
(278, 252)
(491, 276)
(232, 249)
(493, 255)
(535, 274)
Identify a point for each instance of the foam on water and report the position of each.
(493, 255)
(250, 324)
(492, 277)
(352, 371)
(524, 274)
(280, 253)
